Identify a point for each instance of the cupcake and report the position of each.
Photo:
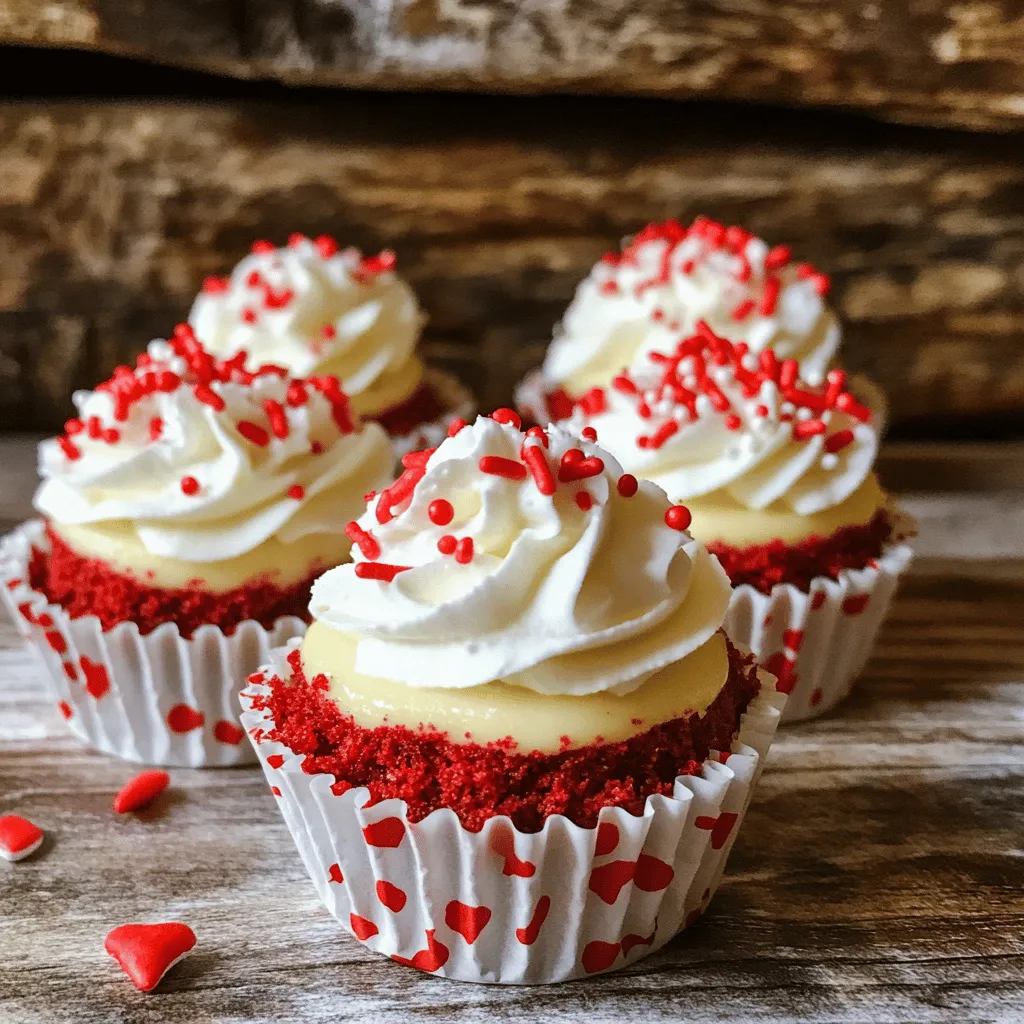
(187, 510)
(666, 280)
(778, 476)
(316, 309)
(515, 745)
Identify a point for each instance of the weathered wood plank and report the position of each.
(942, 63)
(113, 213)
(877, 878)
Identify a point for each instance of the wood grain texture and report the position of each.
(877, 877)
(113, 213)
(932, 63)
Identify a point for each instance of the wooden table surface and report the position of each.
(878, 877)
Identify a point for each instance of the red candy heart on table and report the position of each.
(19, 838)
(141, 790)
(146, 952)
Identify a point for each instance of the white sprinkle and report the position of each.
(665, 407)
(804, 414)
(703, 405)
(689, 381)
(829, 460)
(749, 362)
(787, 408)
(650, 397)
(722, 374)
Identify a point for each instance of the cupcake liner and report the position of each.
(457, 402)
(817, 643)
(157, 699)
(502, 906)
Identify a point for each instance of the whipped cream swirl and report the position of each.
(522, 558)
(311, 307)
(207, 460)
(712, 417)
(669, 278)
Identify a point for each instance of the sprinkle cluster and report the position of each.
(189, 366)
(713, 237)
(691, 383)
(265, 297)
(533, 465)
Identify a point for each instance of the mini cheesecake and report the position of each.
(318, 309)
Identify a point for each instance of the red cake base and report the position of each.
(422, 406)
(89, 586)
(429, 771)
(763, 566)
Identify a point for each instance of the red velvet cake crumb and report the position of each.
(422, 406)
(89, 586)
(763, 566)
(429, 771)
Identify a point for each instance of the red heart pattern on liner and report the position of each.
(143, 789)
(19, 838)
(146, 952)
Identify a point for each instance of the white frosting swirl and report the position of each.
(792, 446)
(671, 277)
(193, 486)
(314, 309)
(562, 595)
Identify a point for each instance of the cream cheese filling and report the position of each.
(118, 544)
(496, 710)
(719, 518)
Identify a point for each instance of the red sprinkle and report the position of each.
(839, 440)
(379, 571)
(464, 551)
(276, 417)
(141, 790)
(575, 467)
(208, 397)
(770, 297)
(447, 544)
(589, 434)
(364, 540)
(296, 394)
(189, 485)
(804, 429)
(74, 426)
(249, 316)
(540, 433)
(456, 425)
(743, 310)
(156, 428)
(678, 517)
(69, 448)
(296, 238)
(254, 433)
(627, 485)
(853, 408)
(440, 512)
(733, 422)
(534, 457)
(326, 246)
(777, 257)
(261, 246)
(497, 465)
(507, 416)
(317, 448)
(297, 492)
(215, 285)
(585, 500)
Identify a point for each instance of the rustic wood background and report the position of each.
(937, 62)
(878, 876)
(113, 211)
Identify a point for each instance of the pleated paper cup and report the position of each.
(158, 699)
(501, 906)
(457, 402)
(817, 643)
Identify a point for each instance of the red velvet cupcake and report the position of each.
(778, 476)
(515, 744)
(188, 509)
(316, 309)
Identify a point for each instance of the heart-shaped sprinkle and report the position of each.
(141, 790)
(146, 952)
(19, 838)
(579, 469)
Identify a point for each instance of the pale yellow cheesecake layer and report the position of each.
(718, 518)
(118, 544)
(388, 390)
(494, 711)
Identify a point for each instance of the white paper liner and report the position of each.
(157, 699)
(819, 642)
(456, 399)
(461, 904)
